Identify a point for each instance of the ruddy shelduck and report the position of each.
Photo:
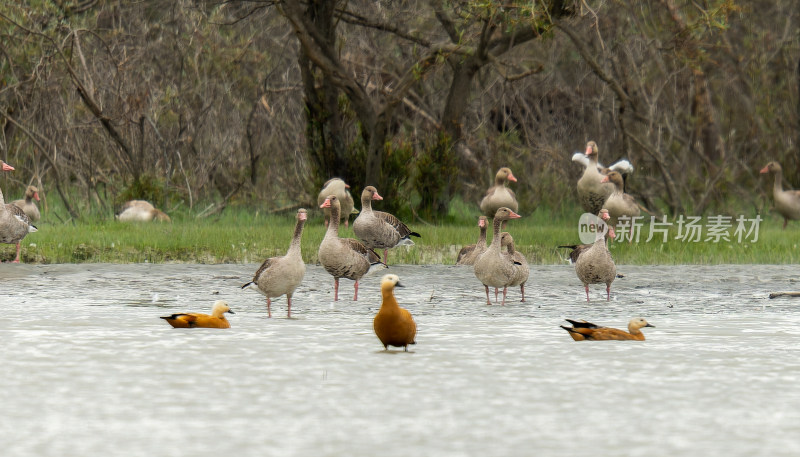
(582, 330)
(393, 325)
(193, 320)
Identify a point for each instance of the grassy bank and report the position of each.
(245, 236)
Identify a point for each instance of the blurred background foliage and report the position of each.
(200, 105)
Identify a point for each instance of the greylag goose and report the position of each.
(619, 203)
(578, 249)
(194, 320)
(393, 325)
(336, 186)
(343, 257)
(281, 275)
(787, 202)
(595, 265)
(521, 269)
(28, 206)
(468, 254)
(14, 223)
(379, 230)
(586, 331)
(141, 211)
(592, 193)
(499, 195)
(622, 166)
(492, 268)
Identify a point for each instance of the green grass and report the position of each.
(245, 236)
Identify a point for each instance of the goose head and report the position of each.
(772, 167)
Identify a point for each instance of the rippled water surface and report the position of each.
(88, 368)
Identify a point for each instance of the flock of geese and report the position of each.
(601, 191)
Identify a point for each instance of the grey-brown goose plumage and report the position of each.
(787, 202)
(592, 193)
(14, 223)
(492, 268)
(499, 195)
(595, 265)
(578, 249)
(281, 275)
(379, 230)
(27, 205)
(337, 186)
(521, 269)
(343, 257)
(468, 254)
(619, 204)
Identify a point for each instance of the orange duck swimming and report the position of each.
(582, 330)
(193, 320)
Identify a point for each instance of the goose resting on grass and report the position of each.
(336, 186)
(141, 211)
(499, 195)
(28, 206)
(620, 204)
(787, 202)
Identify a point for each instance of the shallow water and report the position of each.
(90, 370)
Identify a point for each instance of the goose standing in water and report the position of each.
(393, 325)
(343, 257)
(492, 268)
(379, 230)
(14, 223)
(499, 195)
(586, 331)
(787, 202)
(468, 254)
(28, 206)
(281, 275)
(595, 265)
(141, 211)
(592, 193)
(521, 269)
(336, 186)
(198, 320)
(578, 249)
